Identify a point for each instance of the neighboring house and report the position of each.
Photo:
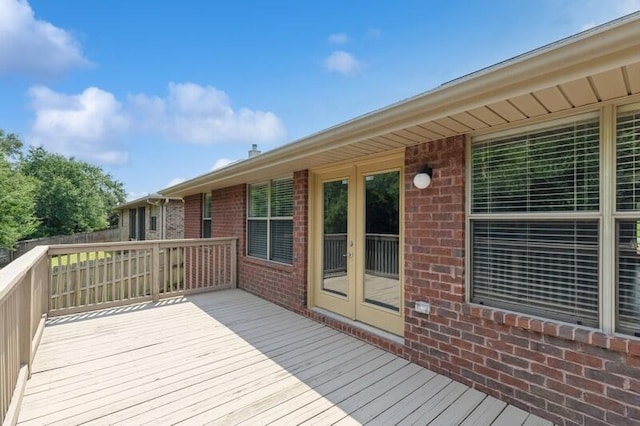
(153, 217)
(487, 229)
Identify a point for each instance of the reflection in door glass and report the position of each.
(382, 240)
(334, 237)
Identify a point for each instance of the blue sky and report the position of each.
(156, 92)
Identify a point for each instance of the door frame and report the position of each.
(375, 316)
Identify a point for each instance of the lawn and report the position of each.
(73, 258)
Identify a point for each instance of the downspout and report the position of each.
(163, 234)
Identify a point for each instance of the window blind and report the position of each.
(555, 169)
(628, 162)
(628, 291)
(259, 200)
(257, 238)
(282, 241)
(546, 268)
(282, 198)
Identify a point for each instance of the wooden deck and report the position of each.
(229, 358)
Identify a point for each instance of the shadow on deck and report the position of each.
(229, 357)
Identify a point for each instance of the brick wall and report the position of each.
(193, 216)
(175, 220)
(564, 373)
(568, 374)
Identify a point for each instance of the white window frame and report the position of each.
(268, 218)
(607, 214)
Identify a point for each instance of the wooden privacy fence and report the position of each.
(63, 279)
(22, 247)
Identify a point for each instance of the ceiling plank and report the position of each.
(488, 116)
(633, 75)
(552, 99)
(470, 121)
(528, 105)
(579, 92)
(507, 111)
(453, 125)
(610, 84)
(413, 137)
(435, 127)
(426, 133)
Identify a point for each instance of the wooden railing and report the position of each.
(381, 254)
(23, 305)
(64, 279)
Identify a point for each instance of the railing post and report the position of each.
(47, 291)
(155, 272)
(78, 280)
(234, 264)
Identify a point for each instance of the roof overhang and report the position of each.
(148, 199)
(592, 68)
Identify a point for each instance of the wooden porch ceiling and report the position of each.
(229, 358)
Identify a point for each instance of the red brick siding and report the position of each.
(193, 216)
(564, 373)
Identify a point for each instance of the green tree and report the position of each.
(73, 196)
(17, 195)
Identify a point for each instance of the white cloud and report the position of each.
(135, 195)
(91, 125)
(586, 14)
(175, 181)
(87, 125)
(203, 114)
(338, 38)
(222, 162)
(32, 46)
(342, 62)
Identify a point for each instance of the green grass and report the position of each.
(73, 258)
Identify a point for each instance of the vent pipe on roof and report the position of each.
(254, 151)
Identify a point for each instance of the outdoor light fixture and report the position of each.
(422, 179)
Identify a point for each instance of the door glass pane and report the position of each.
(334, 238)
(382, 240)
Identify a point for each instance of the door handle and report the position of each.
(348, 254)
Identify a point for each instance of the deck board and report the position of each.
(227, 358)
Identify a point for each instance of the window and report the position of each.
(153, 221)
(206, 215)
(546, 235)
(132, 224)
(535, 221)
(627, 240)
(270, 220)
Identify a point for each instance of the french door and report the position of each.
(357, 243)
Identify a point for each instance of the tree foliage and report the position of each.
(73, 196)
(17, 195)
